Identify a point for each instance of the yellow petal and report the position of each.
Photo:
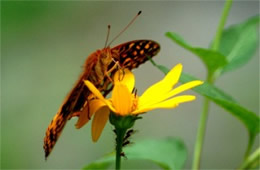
(88, 111)
(94, 90)
(110, 105)
(153, 99)
(168, 104)
(184, 87)
(156, 92)
(84, 117)
(121, 99)
(126, 77)
(153, 92)
(99, 122)
(173, 76)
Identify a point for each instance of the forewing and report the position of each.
(133, 53)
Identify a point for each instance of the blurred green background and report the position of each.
(44, 45)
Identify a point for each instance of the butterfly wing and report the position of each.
(134, 53)
(73, 103)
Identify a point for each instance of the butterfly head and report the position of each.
(106, 56)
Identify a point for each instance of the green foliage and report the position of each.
(239, 43)
(169, 153)
(212, 59)
(252, 161)
(249, 118)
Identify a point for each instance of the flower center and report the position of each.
(123, 100)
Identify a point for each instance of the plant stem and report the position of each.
(249, 146)
(221, 25)
(119, 142)
(252, 161)
(210, 79)
(200, 135)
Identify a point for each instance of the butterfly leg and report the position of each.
(116, 65)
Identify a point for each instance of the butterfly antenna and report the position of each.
(108, 32)
(125, 27)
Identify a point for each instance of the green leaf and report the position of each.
(169, 153)
(239, 43)
(101, 164)
(212, 59)
(248, 118)
(207, 89)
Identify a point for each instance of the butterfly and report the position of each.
(99, 67)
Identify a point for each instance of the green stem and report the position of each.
(252, 161)
(210, 79)
(221, 25)
(200, 135)
(119, 143)
(249, 146)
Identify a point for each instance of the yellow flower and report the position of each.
(123, 102)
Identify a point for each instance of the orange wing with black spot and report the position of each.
(134, 53)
